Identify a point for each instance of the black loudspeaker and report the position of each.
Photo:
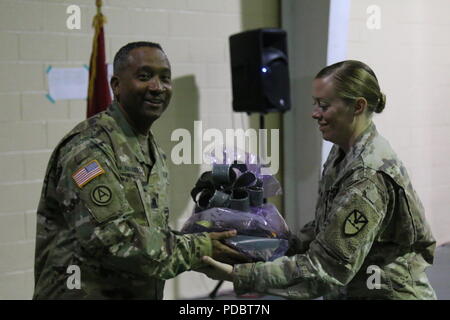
(259, 71)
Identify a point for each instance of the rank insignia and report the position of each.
(86, 173)
(354, 223)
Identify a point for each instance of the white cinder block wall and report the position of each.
(410, 54)
(33, 35)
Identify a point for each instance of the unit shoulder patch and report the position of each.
(101, 195)
(354, 223)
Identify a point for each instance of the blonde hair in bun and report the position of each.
(353, 79)
(381, 103)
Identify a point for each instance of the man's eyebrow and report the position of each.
(148, 68)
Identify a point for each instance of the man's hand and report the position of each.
(217, 270)
(224, 253)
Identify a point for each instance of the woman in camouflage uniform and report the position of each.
(369, 238)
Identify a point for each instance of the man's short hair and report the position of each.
(121, 57)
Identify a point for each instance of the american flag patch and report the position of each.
(87, 173)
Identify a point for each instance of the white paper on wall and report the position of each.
(68, 83)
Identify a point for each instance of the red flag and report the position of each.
(99, 96)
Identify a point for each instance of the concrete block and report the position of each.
(28, 136)
(421, 137)
(36, 164)
(217, 102)
(38, 107)
(225, 25)
(19, 197)
(175, 5)
(5, 136)
(79, 48)
(219, 76)
(81, 3)
(29, 284)
(9, 77)
(31, 77)
(221, 122)
(187, 24)
(440, 176)
(423, 34)
(16, 256)
(30, 225)
(206, 5)
(21, 16)
(421, 12)
(232, 6)
(207, 51)
(12, 286)
(12, 168)
(42, 47)
(10, 107)
(17, 136)
(31, 194)
(197, 71)
(55, 17)
(118, 21)
(10, 46)
(149, 23)
(440, 155)
(177, 50)
(12, 227)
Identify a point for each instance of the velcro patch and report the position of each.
(86, 173)
(101, 195)
(354, 223)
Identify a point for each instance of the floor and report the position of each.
(439, 272)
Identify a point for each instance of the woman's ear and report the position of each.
(360, 106)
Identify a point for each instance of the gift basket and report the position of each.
(231, 196)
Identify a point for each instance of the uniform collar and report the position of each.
(358, 147)
(355, 151)
(132, 136)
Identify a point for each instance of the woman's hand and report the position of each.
(217, 270)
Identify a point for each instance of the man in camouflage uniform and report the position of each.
(104, 203)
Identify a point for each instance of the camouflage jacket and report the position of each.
(104, 209)
(369, 238)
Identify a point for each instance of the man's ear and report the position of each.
(360, 106)
(114, 82)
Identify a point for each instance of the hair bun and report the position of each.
(381, 103)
